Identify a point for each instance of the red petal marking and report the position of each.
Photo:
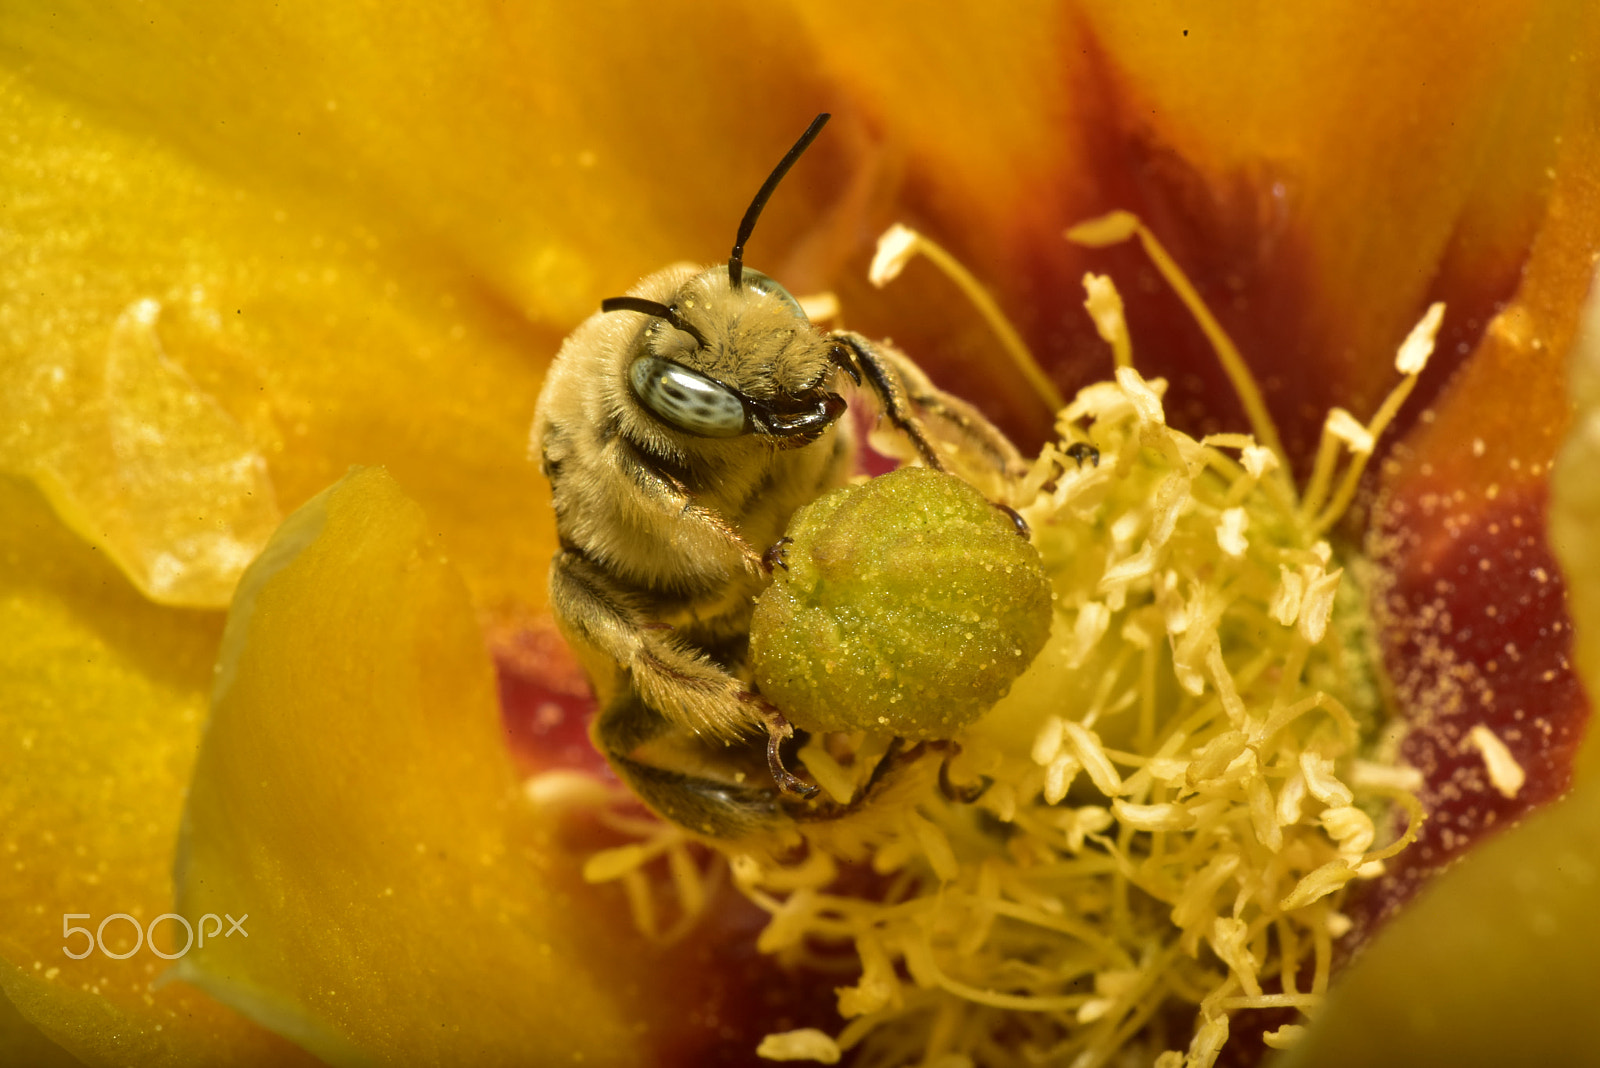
(1247, 236)
(727, 995)
(545, 702)
(1473, 624)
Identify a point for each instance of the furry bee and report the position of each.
(679, 428)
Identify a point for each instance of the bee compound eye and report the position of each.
(686, 399)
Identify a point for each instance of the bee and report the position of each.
(680, 427)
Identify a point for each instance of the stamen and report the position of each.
(1410, 361)
(1115, 228)
(1104, 305)
(1141, 845)
(1505, 774)
(896, 248)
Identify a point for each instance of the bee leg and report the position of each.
(965, 794)
(718, 808)
(776, 554)
(606, 622)
(1015, 516)
(922, 411)
(1081, 451)
(779, 730)
(667, 493)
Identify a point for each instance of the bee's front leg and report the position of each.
(681, 684)
(928, 416)
(666, 493)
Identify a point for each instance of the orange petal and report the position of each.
(354, 798)
(101, 699)
(1469, 600)
(1322, 172)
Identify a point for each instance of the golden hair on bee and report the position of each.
(680, 428)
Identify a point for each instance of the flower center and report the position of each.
(1168, 807)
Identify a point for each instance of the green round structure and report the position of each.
(908, 606)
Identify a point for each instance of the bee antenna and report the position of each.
(650, 307)
(753, 212)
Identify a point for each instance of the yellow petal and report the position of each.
(101, 700)
(25, 1044)
(169, 326)
(354, 799)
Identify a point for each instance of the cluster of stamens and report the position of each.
(1180, 791)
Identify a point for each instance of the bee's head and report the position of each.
(733, 354)
(720, 362)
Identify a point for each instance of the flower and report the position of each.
(247, 249)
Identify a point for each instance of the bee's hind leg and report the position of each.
(711, 795)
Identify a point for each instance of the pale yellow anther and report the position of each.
(1094, 618)
(1350, 827)
(609, 864)
(1162, 817)
(1230, 938)
(1258, 460)
(1505, 774)
(1348, 429)
(1231, 526)
(1291, 800)
(1316, 607)
(1111, 228)
(820, 307)
(1284, 1037)
(806, 1044)
(896, 248)
(1285, 604)
(1087, 748)
(1418, 345)
(1318, 884)
(1145, 400)
(1047, 743)
(1058, 778)
(1321, 781)
(1104, 305)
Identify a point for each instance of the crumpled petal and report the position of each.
(138, 459)
(102, 696)
(353, 797)
(312, 326)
